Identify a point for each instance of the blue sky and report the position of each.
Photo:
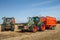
(21, 9)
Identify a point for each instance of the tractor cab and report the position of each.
(8, 20)
(34, 20)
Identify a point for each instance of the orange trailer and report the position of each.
(50, 22)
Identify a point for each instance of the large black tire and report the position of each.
(53, 28)
(2, 28)
(33, 28)
(42, 27)
(12, 28)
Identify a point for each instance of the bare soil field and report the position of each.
(40, 35)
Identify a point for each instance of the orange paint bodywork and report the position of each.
(48, 21)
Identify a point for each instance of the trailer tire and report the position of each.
(53, 28)
(33, 28)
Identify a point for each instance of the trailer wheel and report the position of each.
(33, 28)
(42, 28)
(53, 28)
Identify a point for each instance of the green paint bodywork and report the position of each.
(7, 22)
(34, 21)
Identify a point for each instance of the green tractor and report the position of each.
(33, 25)
(8, 24)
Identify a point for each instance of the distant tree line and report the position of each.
(58, 21)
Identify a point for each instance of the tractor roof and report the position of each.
(8, 17)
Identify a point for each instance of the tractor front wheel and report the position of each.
(33, 28)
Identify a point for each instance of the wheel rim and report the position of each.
(34, 29)
(43, 27)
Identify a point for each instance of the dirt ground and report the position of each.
(40, 35)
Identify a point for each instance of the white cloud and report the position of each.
(43, 3)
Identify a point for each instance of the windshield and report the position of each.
(31, 19)
(8, 19)
(35, 18)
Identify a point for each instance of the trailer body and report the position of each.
(48, 21)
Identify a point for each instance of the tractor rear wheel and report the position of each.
(33, 28)
(12, 28)
(2, 28)
(42, 27)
